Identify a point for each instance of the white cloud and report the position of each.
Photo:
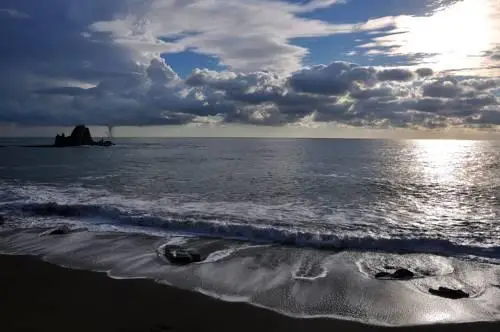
(452, 38)
(246, 35)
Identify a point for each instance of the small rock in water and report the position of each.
(403, 274)
(399, 274)
(59, 231)
(182, 256)
(383, 275)
(449, 293)
(2, 220)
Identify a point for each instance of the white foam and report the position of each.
(218, 255)
(267, 276)
(175, 241)
(224, 253)
(322, 274)
(422, 265)
(291, 223)
(225, 298)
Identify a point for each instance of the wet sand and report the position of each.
(37, 296)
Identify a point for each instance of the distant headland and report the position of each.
(80, 136)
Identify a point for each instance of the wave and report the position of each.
(188, 223)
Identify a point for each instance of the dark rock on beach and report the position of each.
(399, 274)
(182, 256)
(449, 293)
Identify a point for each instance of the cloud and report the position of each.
(334, 79)
(340, 92)
(451, 35)
(246, 35)
(493, 54)
(100, 62)
(424, 72)
(379, 92)
(12, 13)
(442, 88)
(395, 75)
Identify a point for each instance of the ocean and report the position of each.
(299, 226)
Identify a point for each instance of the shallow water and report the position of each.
(297, 226)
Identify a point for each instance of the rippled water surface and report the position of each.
(439, 194)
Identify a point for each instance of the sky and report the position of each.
(251, 67)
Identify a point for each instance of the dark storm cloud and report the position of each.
(52, 42)
(48, 58)
(395, 75)
(424, 72)
(339, 78)
(326, 80)
(335, 79)
(442, 88)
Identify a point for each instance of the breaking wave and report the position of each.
(230, 226)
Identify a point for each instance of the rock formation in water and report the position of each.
(79, 136)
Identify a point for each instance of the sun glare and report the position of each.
(454, 37)
(442, 161)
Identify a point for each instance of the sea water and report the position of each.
(300, 226)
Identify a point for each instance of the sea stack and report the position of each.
(79, 136)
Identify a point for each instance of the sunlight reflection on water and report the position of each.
(452, 171)
(445, 161)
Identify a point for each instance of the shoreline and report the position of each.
(40, 296)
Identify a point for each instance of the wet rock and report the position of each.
(382, 275)
(59, 231)
(399, 274)
(2, 220)
(449, 293)
(403, 274)
(182, 256)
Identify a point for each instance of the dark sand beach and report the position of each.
(38, 296)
